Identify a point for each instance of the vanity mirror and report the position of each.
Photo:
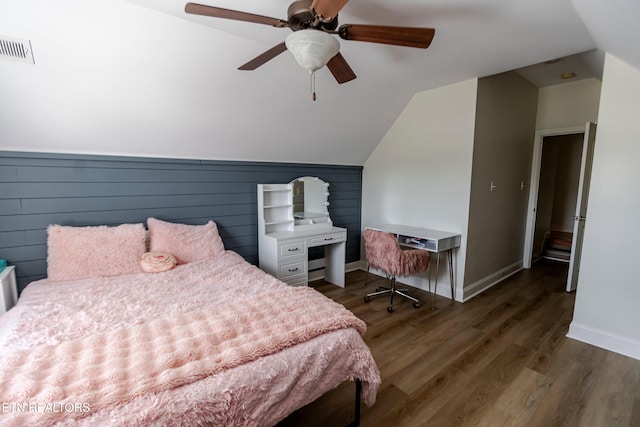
(310, 201)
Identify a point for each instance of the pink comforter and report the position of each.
(254, 391)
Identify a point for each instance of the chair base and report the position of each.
(392, 291)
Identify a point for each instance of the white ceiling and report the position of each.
(141, 77)
(566, 69)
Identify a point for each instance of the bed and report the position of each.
(192, 335)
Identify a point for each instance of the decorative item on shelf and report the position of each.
(416, 241)
(3, 264)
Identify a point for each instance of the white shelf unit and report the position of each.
(275, 203)
(284, 260)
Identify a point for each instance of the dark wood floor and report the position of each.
(501, 359)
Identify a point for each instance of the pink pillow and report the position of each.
(187, 243)
(82, 252)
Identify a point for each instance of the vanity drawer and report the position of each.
(290, 249)
(328, 239)
(293, 269)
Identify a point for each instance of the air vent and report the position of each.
(16, 50)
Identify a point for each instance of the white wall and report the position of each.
(606, 310)
(568, 105)
(420, 173)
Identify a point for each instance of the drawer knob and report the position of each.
(293, 269)
(293, 250)
(328, 238)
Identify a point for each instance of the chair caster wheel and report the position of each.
(416, 305)
(367, 299)
(390, 309)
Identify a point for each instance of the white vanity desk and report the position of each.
(292, 218)
(8, 289)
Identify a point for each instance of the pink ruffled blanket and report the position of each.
(113, 368)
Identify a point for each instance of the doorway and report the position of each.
(557, 196)
(560, 176)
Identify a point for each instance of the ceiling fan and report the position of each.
(315, 21)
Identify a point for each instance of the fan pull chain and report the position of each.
(313, 85)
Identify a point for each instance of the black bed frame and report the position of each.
(356, 420)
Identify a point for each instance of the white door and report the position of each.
(581, 205)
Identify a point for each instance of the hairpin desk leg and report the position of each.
(435, 291)
(453, 289)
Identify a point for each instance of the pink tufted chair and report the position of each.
(384, 253)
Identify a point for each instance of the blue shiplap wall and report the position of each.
(39, 189)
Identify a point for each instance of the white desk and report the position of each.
(284, 254)
(435, 241)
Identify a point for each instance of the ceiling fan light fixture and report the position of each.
(312, 48)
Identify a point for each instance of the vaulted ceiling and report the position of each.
(142, 78)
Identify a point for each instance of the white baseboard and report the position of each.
(603, 339)
(489, 281)
(316, 272)
(356, 265)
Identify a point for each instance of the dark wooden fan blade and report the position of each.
(328, 8)
(218, 12)
(266, 56)
(340, 69)
(399, 36)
